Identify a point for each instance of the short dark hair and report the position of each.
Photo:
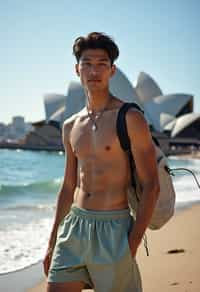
(96, 40)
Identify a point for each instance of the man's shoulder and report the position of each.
(138, 128)
(69, 122)
(135, 118)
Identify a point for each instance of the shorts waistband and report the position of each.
(100, 215)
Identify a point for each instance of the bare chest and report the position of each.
(86, 141)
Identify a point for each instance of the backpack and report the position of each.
(165, 205)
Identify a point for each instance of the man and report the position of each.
(94, 239)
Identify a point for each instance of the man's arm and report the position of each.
(145, 161)
(65, 195)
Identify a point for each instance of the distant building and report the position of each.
(17, 129)
(44, 134)
(2, 131)
(18, 123)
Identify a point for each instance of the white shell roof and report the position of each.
(169, 104)
(52, 103)
(165, 119)
(121, 87)
(53, 97)
(170, 125)
(146, 87)
(160, 111)
(58, 115)
(183, 122)
(75, 99)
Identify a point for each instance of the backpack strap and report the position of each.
(125, 143)
(124, 140)
(121, 125)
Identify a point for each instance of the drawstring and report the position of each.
(146, 244)
(171, 171)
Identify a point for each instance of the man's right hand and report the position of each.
(47, 260)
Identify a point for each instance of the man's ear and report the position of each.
(113, 70)
(77, 69)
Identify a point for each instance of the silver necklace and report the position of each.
(94, 117)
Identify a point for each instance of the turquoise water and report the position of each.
(29, 178)
(29, 183)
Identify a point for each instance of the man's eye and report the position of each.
(86, 64)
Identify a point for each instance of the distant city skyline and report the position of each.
(12, 118)
(157, 37)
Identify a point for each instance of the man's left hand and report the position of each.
(133, 245)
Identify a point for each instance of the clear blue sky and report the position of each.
(36, 37)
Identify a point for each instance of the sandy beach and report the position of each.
(174, 261)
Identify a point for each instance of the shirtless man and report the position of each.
(94, 240)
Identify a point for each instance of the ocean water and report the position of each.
(29, 183)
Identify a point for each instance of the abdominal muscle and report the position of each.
(101, 188)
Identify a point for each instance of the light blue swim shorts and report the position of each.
(92, 247)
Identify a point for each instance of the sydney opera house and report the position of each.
(171, 117)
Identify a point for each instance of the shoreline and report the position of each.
(58, 148)
(163, 270)
(195, 155)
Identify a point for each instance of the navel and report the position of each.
(107, 148)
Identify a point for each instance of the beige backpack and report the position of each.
(165, 205)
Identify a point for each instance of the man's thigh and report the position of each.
(65, 287)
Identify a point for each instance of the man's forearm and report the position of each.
(144, 213)
(64, 202)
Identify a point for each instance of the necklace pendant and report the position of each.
(94, 127)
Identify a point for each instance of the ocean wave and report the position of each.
(23, 244)
(39, 207)
(49, 186)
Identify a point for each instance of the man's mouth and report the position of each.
(94, 80)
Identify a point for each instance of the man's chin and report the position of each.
(94, 86)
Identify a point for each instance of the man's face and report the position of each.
(95, 69)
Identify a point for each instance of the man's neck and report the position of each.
(97, 101)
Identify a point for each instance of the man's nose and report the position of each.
(94, 70)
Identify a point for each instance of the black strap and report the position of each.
(121, 125)
(122, 133)
(122, 128)
(126, 146)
